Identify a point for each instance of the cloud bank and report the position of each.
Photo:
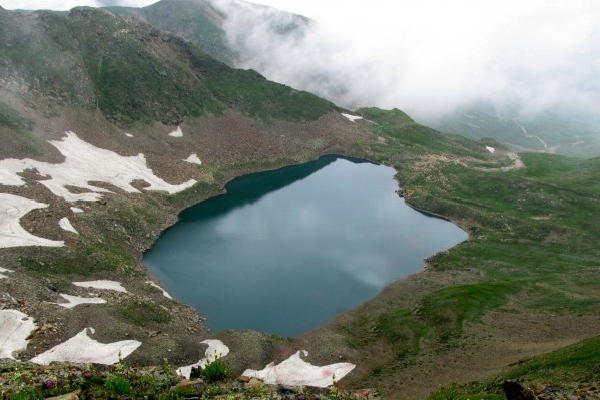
(431, 57)
(426, 57)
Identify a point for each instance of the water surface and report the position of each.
(285, 251)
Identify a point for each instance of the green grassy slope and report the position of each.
(196, 21)
(533, 242)
(133, 72)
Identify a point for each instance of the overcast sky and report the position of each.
(427, 57)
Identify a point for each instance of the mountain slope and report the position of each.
(240, 33)
(132, 71)
(98, 114)
(200, 22)
(195, 20)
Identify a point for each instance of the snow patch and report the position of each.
(194, 159)
(12, 208)
(128, 134)
(76, 210)
(76, 300)
(66, 225)
(84, 350)
(351, 117)
(85, 163)
(167, 295)
(490, 149)
(177, 132)
(216, 349)
(296, 372)
(15, 328)
(3, 271)
(102, 284)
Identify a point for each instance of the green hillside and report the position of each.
(133, 72)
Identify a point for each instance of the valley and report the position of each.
(99, 115)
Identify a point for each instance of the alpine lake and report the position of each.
(285, 251)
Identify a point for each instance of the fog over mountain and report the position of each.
(428, 58)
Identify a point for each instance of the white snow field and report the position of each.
(194, 159)
(351, 117)
(102, 285)
(176, 133)
(85, 163)
(76, 300)
(84, 350)
(15, 328)
(296, 372)
(65, 224)
(12, 208)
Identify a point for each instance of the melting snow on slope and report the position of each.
(82, 349)
(177, 132)
(85, 163)
(216, 349)
(76, 210)
(296, 372)
(194, 159)
(3, 271)
(352, 117)
(167, 295)
(12, 208)
(76, 300)
(15, 328)
(102, 284)
(490, 149)
(65, 224)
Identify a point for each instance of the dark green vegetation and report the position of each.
(11, 119)
(214, 371)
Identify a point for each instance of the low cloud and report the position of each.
(431, 57)
(428, 57)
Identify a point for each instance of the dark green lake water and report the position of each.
(286, 251)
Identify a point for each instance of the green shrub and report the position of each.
(214, 371)
(118, 385)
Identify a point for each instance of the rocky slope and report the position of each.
(98, 114)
